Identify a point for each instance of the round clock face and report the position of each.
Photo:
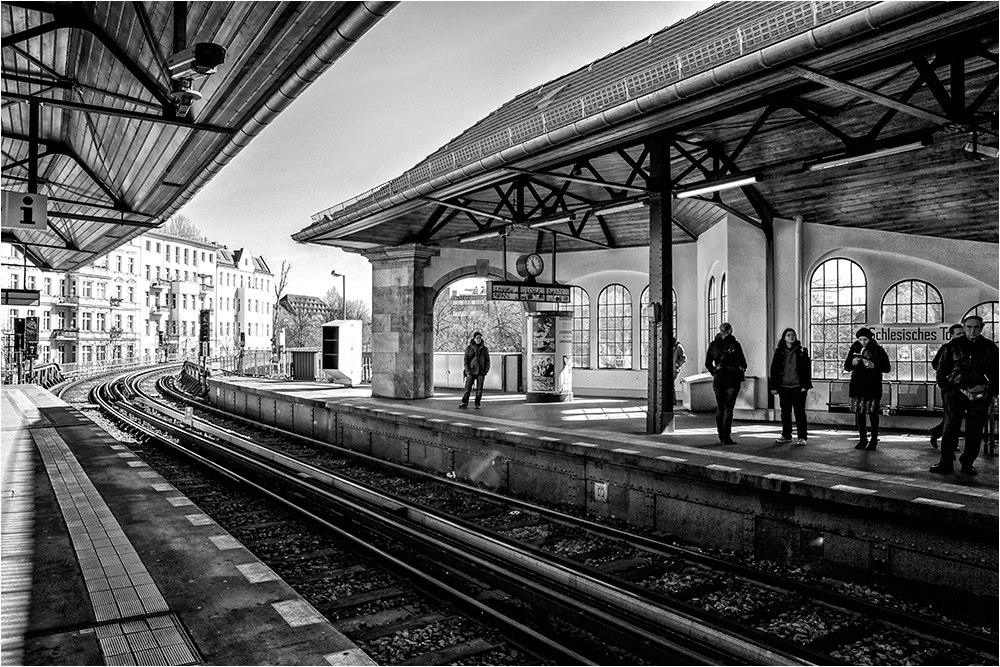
(530, 265)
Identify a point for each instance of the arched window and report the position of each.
(614, 327)
(724, 299)
(580, 303)
(838, 304)
(988, 311)
(713, 310)
(911, 302)
(645, 314)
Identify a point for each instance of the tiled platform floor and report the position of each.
(186, 610)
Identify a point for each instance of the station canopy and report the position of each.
(119, 112)
(869, 115)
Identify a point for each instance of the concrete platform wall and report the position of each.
(768, 517)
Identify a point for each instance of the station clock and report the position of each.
(530, 266)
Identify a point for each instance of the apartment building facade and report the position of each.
(143, 300)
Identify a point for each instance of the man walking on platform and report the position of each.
(475, 368)
(967, 375)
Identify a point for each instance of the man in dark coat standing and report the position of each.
(967, 375)
(475, 368)
(727, 364)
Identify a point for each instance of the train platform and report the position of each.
(898, 469)
(103, 562)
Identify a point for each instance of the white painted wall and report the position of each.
(965, 272)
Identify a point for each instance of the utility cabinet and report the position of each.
(341, 352)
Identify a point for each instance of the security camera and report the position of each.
(184, 98)
(196, 61)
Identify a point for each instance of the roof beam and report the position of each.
(10, 237)
(577, 179)
(108, 111)
(877, 98)
(466, 209)
(110, 221)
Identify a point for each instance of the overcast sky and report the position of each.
(422, 75)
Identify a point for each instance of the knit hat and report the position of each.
(864, 331)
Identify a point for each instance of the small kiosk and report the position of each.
(341, 353)
(550, 357)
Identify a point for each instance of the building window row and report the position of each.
(838, 306)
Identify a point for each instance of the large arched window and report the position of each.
(614, 327)
(838, 304)
(988, 311)
(713, 310)
(645, 314)
(911, 302)
(724, 299)
(580, 303)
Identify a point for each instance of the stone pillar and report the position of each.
(402, 322)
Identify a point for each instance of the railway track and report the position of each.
(659, 601)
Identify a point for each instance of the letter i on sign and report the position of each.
(27, 212)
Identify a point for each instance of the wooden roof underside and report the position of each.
(930, 78)
(112, 153)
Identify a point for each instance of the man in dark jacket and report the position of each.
(475, 368)
(727, 364)
(967, 375)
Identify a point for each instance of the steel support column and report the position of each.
(660, 401)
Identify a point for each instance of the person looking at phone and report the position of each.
(866, 362)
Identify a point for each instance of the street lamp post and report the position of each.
(343, 292)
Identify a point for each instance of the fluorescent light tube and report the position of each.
(549, 223)
(480, 237)
(621, 208)
(714, 186)
(851, 159)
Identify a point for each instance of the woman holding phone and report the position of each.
(866, 361)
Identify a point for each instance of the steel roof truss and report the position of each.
(11, 237)
(577, 179)
(136, 115)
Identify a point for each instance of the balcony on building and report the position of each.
(158, 285)
(115, 301)
(65, 334)
(158, 311)
(67, 302)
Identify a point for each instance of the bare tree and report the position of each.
(279, 291)
(182, 227)
(356, 309)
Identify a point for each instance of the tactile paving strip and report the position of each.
(118, 583)
(18, 527)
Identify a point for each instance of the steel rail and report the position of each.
(634, 612)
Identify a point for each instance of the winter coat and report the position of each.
(726, 362)
(803, 366)
(865, 382)
(965, 363)
(477, 359)
(679, 359)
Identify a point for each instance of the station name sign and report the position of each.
(933, 334)
(502, 291)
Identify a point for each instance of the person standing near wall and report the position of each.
(866, 361)
(967, 375)
(475, 367)
(679, 356)
(727, 364)
(790, 380)
(954, 331)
